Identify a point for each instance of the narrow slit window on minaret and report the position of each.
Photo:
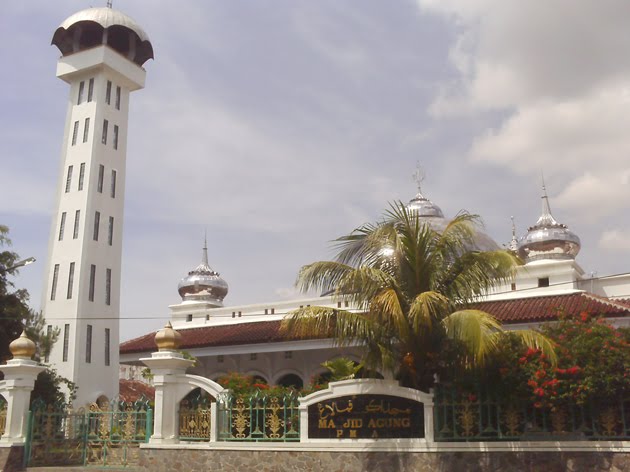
(81, 175)
(101, 174)
(110, 231)
(88, 345)
(66, 341)
(81, 89)
(77, 218)
(53, 288)
(104, 137)
(117, 98)
(108, 92)
(75, 132)
(97, 224)
(69, 179)
(62, 226)
(86, 130)
(108, 287)
(90, 89)
(49, 332)
(107, 350)
(113, 186)
(92, 282)
(70, 281)
(115, 136)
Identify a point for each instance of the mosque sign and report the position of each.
(365, 417)
(366, 410)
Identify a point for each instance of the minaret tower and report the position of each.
(102, 52)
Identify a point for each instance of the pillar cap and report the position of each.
(167, 339)
(22, 347)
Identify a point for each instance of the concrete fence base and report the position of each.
(198, 460)
(11, 457)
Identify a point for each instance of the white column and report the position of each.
(18, 383)
(169, 371)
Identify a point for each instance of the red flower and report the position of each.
(532, 383)
(472, 398)
(584, 316)
(540, 392)
(523, 360)
(540, 374)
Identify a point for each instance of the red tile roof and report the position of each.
(132, 390)
(519, 310)
(538, 309)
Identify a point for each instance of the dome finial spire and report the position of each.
(204, 255)
(419, 176)
(513, 246)
(546, 218)
(109, 3)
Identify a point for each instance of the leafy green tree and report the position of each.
(413, 287)
(16, 316)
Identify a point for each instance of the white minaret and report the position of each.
(102, 52)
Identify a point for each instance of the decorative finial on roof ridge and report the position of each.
(109, 3)
(419, 176)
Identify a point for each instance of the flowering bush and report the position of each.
(593, 362)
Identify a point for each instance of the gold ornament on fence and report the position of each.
(241, 419)
(608, 421)
(274, 423)
(467, 418)
(511, 421)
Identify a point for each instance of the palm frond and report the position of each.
(537, 340)
(425, 309)
(475, 329)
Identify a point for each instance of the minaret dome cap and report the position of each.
(203, 283)
(95, 26)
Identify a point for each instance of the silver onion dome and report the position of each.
(431, 214)
(203, 283)
(548, 239)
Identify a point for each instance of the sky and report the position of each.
(277, 126)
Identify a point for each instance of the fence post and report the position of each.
(168, 367)
(19, 379)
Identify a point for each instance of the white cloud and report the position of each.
(615, 240)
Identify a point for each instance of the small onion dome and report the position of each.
(22, 347)
(431, 214)
(167, 339)
(548, 239)
(95, 26)
(203, 283)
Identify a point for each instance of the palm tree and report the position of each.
(412, 287)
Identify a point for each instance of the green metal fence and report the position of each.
(195, 417)
(106, 436)
(258, 417)
(3, 415)
(481, 417)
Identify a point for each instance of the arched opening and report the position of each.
(194, 416)
(91, 34)
(102, 401)
(291, 380)
(119, 38)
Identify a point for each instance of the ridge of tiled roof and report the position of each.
(508, 311)
(222, 335)
(547, 308)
